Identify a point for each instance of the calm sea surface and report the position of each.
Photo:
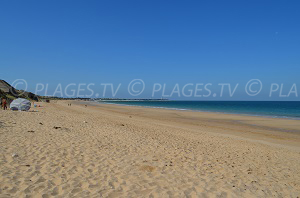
(266, 108)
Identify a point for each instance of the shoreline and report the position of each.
(223, 114)
(191, 110)
(208, 111)
(276, 131)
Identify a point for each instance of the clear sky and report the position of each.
(169, 42)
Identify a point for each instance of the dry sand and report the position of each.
(116, 151)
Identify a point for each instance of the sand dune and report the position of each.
(113, 151)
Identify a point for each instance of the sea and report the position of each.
(279, 109)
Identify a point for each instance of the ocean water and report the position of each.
(283, 109)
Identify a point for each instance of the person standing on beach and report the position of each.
(4, 106)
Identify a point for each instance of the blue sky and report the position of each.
(169, 42)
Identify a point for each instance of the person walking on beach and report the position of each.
(4, 105)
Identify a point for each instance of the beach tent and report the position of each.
(20, 104)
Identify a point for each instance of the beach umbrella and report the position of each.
(20, 104)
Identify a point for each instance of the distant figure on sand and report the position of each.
(4, 105)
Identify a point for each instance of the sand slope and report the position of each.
(75, 151)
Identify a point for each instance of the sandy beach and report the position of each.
(107, 150)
